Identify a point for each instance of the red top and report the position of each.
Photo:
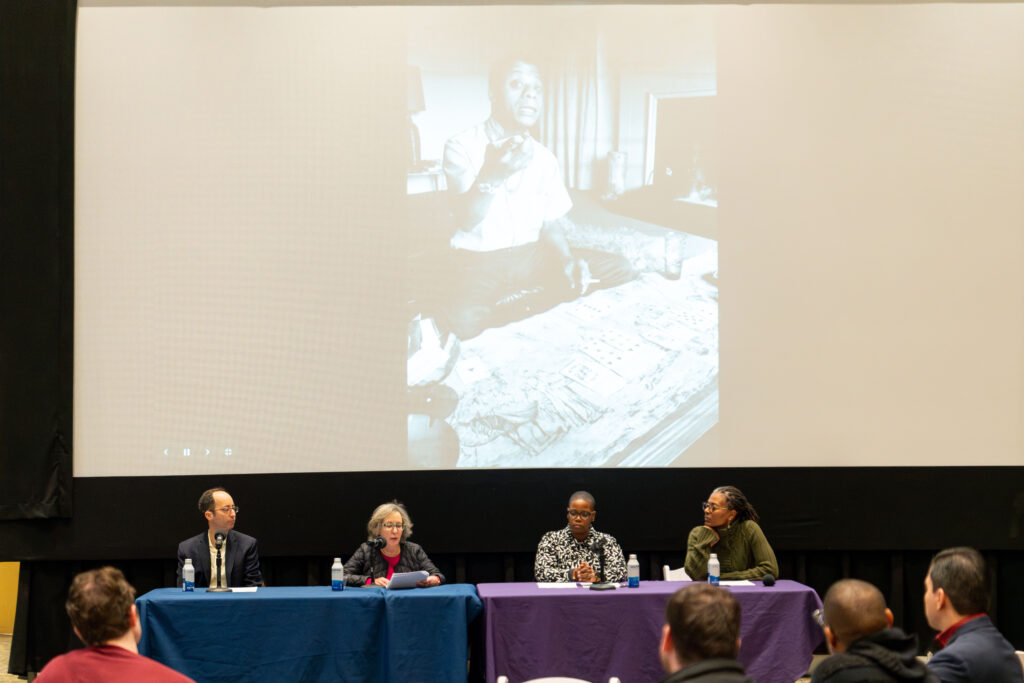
(392, 563)
(944, 637)
(107, 663)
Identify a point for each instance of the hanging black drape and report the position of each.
(37, 48)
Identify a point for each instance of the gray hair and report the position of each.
(382, 511)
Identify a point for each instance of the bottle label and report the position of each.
(337, 585)
(188, 586)
(634, 582)
(713, 579)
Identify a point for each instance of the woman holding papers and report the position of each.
(388, 552)
(731, 531)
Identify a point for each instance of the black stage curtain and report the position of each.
(37, 48)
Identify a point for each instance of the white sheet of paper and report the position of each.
(737, 582)
(549, 584)
(244, 589)
(406, 579)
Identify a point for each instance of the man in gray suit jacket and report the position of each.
(240, 556)
(955, 600)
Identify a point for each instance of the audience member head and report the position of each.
(101, 606)
(956, 586)
(701, 622)
(581, 513)
(219, 509)
(382, 512)
(853, 609)
(517, 93)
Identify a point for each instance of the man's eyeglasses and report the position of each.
(711, 507)
(227, 508)
(393, 525)
(582, 514)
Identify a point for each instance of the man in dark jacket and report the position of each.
(865, 646)
(701, 637)
(955, 601)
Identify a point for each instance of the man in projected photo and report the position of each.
(510, 250)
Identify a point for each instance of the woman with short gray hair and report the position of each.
(388, 551)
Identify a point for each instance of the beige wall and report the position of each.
(8, 595)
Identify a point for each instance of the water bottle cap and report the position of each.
(714, 556)
(632, 556)
(188, 560)
(337, 559)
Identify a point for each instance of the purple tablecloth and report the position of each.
(533, 632)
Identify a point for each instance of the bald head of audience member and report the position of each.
(853, 609)
(701, 622)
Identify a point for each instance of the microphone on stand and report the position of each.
(597, 547)
(377, 543)
(218, 542)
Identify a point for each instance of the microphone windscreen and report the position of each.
(377, 543)
(768, 580)
(219, 537)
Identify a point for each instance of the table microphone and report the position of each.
(768, 580)
(218, 540)
(377, 543)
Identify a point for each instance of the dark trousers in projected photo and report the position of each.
(494, 288)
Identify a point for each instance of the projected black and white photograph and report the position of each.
(562, 199)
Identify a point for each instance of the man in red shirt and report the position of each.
(955, 601)
(101, 605)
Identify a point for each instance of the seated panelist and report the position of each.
(373, 564)
(240, 556)
(575, 553)
(731, 531)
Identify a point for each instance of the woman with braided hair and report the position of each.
(731, 531)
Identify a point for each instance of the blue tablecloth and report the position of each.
(311, 633)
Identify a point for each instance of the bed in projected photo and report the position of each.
(587, 159)
(623, 376)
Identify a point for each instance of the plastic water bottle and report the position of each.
(633, 571)
(188, 576)
(337, 575)
(714, 570)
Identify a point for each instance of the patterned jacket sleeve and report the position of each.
(546, 566)
(616, 568)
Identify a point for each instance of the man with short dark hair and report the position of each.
(579, 552)
(865, 646)
(240, 556)
(701, 637)
(955, 601)
(101, 606)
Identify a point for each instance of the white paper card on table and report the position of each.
(244, 589)
(556, 584)
(737, 582)
(406, 579)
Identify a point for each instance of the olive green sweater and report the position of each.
(742, 549)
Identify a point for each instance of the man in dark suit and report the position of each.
(240, 557)
(955, 600)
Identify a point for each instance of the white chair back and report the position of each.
(675, 574)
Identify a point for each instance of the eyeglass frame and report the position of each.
(714, 506)
(226, 509)
(582, 514)
(392, 525)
